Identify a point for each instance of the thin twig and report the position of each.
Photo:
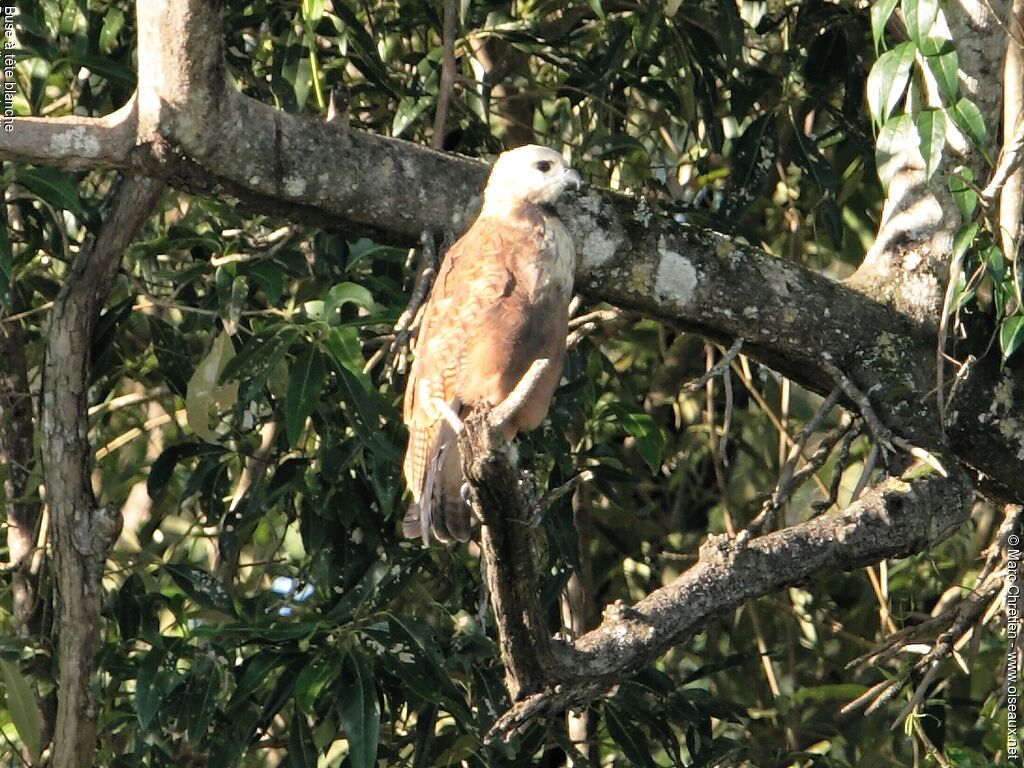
(718, 368)
(447, 83)
(882, 434)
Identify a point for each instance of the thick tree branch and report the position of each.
(75, 143)
(82, 531)
(898, 518)
(630, 255)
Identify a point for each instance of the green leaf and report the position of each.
(359, 711)
(931, 131)
(944, 64)
(965, 195)
(627, 735)
(302, 751)
(1011, 335)
(967, 117)
(148, 691)
(314, 678)
(113, 23)
(51, 185)
(881, 11)
(162, 470)
(408, 111)
(201, 586)
(919, 16)
(897, 139)
(342, 342)
(201, 692)
(6, 261)
(342, 294)
(363, 414)
(257, 360)
(312, 12)
(752, 158)
(650, 439)
(963, 240)
(21, 703)
(835, 692)
(820, 170)
(305, 384)
(887, 81)
(257, 673)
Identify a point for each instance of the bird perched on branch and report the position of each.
(498, 304)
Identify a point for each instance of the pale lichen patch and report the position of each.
(75, 141)
(676, 279)
(294, 186)
(596, 244)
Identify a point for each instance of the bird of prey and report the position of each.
(498, 304)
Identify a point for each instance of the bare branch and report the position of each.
(897, 518)
(447, 82)
(74, 143)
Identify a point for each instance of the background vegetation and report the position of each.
(262, 607)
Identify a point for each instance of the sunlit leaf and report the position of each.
(650, 439)
(887, 81)
(968, 118)
(314, 678)
(881, 11)
(312, 11)
(931, 131)
(961, 186)
(345, 293)
(1011, 335)
(944, 64)
(897, 143)
(919, 16)
(113, 23)
(21, 703)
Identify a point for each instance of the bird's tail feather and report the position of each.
(441, 509)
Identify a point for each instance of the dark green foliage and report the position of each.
(262, 605)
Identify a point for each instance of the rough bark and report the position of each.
(81, 530)
(506, 538)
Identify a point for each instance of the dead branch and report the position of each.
(897, 518)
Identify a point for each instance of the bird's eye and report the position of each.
(543, 166)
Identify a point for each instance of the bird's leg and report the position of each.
(511, 405)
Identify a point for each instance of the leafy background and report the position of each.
(262, 607)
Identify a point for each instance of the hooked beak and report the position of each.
(573, 178)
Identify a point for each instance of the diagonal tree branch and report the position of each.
(82, 532)
(900, 517)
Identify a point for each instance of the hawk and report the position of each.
(499, 303)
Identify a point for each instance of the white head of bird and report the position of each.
(530, 174)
